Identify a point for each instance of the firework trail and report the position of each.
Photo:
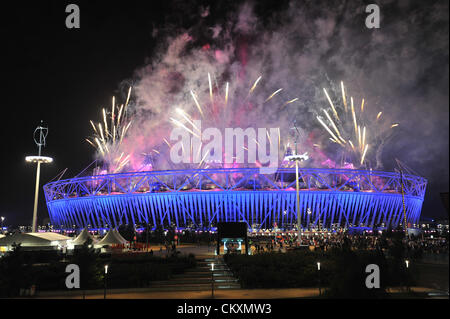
(107, 141)
(215, 107)
(356, 130)
(223, 111)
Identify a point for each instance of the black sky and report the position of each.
(63, 76)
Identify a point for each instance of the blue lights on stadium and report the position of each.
(202, 198)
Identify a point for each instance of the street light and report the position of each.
(146, 245)
(298, 158)
(318, 269)
(43, 131)
(212, 280)
(106, 273)
(3, 218)
(407, 273)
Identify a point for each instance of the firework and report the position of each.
(219, 110)
(226, 94)
(218, 114)
(179, 124)
(168, 144)
(104, 121)
(186, 117)
(358, 130)
(108, 139)
(204, 157)
(379, 115)
(255, 84)
(196, 103)
(288, 102)
(268, 137)
(331, 103)
(354, 116)
(210, 88)
(273, 94)
(334, 138)
(344, 99)
(364, 154)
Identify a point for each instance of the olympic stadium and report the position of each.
(203, 198)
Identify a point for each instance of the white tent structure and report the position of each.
(35, 241)
(112, 238)
(82, 238)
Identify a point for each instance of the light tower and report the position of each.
(43, 131)
(297, 158)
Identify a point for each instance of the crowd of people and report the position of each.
(416, 245)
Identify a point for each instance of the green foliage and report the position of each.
(342, 271)
(91, 268)
(49, 277)
(275, 270)
(348, 276)
(127, 231)
(139, 270)
(17, 269)
(14, 273)
(136, 275)
(21, 269)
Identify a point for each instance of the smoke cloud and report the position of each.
(401, 69)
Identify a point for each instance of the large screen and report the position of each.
(232, 229)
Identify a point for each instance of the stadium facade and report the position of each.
(202, 198)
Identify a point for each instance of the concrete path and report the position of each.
(206, 294)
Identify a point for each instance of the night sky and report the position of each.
(63, 76)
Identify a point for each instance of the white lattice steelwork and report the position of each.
(205, 197)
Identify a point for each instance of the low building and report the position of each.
(34, 241)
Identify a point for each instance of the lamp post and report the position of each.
(407, 273)
(3, 218)
(405, 225)
(106, 273)
(212, 280)
(146, 245)
(43, 131)
(318, 269)
(298, 158)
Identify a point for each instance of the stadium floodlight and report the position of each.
(43, 131)
(38, 159)
(298, 158)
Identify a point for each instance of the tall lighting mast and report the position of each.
(39, 136)
(297, 158)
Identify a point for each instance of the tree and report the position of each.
(127, 231)
(349, 276)
(87, 258)
(14, 272)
